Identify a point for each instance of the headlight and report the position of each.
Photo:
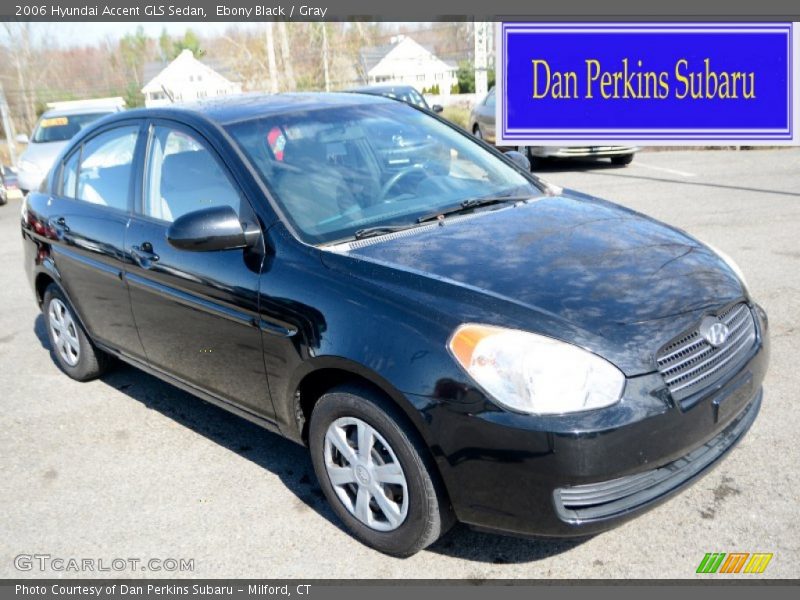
(732, 264)
(534, 374)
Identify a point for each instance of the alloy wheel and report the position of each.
(64, 332)
(365, 474)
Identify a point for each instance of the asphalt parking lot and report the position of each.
(128, 466)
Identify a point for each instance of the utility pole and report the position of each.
(8, 126)
(283, 34)
(273, 64)
(481, 33)
(325, 57)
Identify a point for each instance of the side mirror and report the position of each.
(519, 159)
(437, 108)
(21, 138)
(208, 229)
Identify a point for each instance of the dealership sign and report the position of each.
(647, 83)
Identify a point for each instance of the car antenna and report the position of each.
(168, 94)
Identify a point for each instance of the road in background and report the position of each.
(128, 466)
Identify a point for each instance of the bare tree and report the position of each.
(283, 34)
(324, 29)
(19, 35)
(242, 51)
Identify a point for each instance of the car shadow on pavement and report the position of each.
(721, 186)
(467, 544)
(574, 164)
(291, 462)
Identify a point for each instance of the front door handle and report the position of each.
(144, 255)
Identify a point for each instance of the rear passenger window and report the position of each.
(183, 176)
(106, 165)
(69, 176)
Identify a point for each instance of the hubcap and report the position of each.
(64, 332)
(365, 474)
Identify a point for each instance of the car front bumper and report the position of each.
(29, 179)
(582, 474)
(582, 151)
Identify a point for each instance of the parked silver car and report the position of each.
(482, 125)
(52, 132)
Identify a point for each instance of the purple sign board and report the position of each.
(647, 83)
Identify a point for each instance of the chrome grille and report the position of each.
(690, 364)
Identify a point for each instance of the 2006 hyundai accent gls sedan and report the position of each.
(452, 338)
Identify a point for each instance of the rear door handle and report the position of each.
(59, 225)
(144, 255)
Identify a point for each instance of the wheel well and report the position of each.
(42, 281)
(314, 385)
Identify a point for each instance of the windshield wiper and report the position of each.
(465, 206)
(379, 230)
(468, 205)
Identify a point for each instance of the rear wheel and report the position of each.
(375, 472)
(476, 131)
(623, 160)
(74, 352)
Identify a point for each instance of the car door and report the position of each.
(196, 312)
(89, 211)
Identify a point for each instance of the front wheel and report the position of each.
(376, 474)
(623, 160)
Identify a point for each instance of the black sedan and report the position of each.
(452, 338)
(403, 93)
(9, 186)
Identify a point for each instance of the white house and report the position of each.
(406, 62)
(186, 79)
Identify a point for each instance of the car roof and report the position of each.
(382, 88)
(225, 110)
(86, 110)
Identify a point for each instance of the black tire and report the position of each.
(537, 162)
(90, 362)
(429, 515)
(476, 131)
(623, 160)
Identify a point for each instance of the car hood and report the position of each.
(43, 154)
(624, 282)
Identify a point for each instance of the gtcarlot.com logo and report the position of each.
(47, 562)
(734, 562)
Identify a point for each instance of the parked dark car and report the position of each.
(3, 188)
(482, 125)
(404, 93)
(455, 340)
(9, 185)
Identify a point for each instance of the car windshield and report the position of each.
(335, 171)
(62, 127)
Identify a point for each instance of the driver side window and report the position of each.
(184, 176)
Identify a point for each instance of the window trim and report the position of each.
(56, 185)
(138, 207)
(59, 191)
